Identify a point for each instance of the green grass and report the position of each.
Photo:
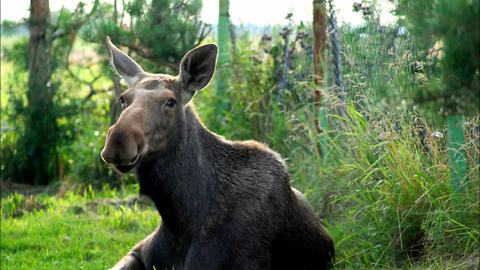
(89, 231)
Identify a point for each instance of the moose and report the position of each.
(223, 204)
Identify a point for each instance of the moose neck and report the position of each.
(181, 180)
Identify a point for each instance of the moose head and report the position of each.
(153, 106)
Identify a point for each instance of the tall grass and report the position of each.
(392, 203)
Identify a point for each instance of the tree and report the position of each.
(40, 136)
(36, 158)
(454, 25)
(158, 32)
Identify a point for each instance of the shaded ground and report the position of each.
(7, 187)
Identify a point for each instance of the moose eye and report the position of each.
(122, 102)
(170, 103)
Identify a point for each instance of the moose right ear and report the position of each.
(125, 66)
(196, 69)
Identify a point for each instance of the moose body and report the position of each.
(224, 204)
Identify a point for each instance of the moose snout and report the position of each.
(122, 147)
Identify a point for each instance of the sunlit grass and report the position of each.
(88, 231)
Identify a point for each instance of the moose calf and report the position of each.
(224, 204)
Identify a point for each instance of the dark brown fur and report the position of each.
(224, 204)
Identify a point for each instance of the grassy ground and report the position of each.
(87, 229)
(72, 231)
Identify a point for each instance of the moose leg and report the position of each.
(158, 250)
(129, 262)
(132, 261)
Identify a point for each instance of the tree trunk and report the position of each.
(223, 39)
(40, 138)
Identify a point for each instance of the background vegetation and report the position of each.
(375, 167)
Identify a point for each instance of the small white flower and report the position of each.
(437, 134)
(401, 31)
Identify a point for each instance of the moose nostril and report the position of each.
(133, 160)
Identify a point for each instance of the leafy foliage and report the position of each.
(159, 32)
(454, 27)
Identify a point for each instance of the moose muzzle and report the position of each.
(123, 147)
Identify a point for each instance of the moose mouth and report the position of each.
(129, 167)
(124, 169)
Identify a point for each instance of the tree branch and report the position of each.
(76, 24)
(93, 92)
(206, 29)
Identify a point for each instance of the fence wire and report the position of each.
(335, 48)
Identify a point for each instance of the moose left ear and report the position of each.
(126, 67)
(196, 69)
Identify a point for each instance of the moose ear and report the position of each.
(196, 69)
(125, 66)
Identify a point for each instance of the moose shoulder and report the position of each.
(224, 204)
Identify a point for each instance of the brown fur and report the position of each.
(224, 204)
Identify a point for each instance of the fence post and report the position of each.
(223, 65)
(456, 156)
(319, 45)
(319, 39)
